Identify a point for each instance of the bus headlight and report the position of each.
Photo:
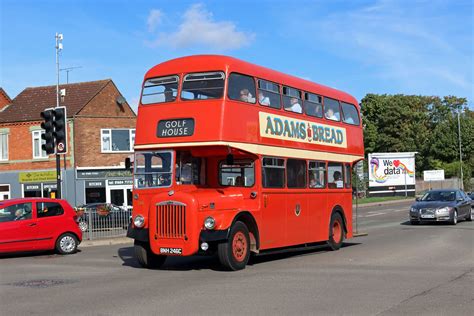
(139, 221)
(210, 223)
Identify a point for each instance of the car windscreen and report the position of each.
(444, 196)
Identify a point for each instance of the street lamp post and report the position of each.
(460, 151)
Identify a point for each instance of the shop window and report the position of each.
(95, 195)
(4, 192)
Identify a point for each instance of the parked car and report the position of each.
(103, 216)
(32, 224)
(441, 205)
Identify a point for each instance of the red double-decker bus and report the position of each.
(235, 158)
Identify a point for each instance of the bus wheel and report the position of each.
(336, 231)
(235, 252)
(146, 258)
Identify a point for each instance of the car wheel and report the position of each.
(235, 252)
(83, 225)
(470, 215)
(145, 256)
(66, 244)
(454, 221)
(336, 231)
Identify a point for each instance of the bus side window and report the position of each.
(239, 174)
(317, 174)
(350, 114)
(241, 88)
(313, 105)
(331, 109)
(348, 175)
(335, 180)
(292, 100)
(269, 94)
(296, 173)
(273, 172)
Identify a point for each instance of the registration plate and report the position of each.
(427, 216)
(171, 251)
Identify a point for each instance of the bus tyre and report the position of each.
(146, 258)
(336, 231)
(235, 252)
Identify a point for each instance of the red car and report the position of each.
(32, 224)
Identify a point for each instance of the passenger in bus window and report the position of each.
(348, 119)
(338, 179)
(246, 96)
(314, 109)
(168, 94)
(239, 181)
(295, 106)
(263, 99)
(330, 115)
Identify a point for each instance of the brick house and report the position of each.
(101, 132)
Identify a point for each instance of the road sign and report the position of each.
(433, 175)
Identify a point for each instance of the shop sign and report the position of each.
(37, 176)
(120, 182)
(101, 174)
(95, 184)
(32, 187)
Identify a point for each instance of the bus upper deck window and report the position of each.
(203, 86)
(269, 94)
(241, 88)
(313, 105)
(292, 100)
(159, 90)
(350, 114)
(331, 109)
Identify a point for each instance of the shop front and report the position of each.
(106, 186)
(38, 184)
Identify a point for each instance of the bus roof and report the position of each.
(198, 63)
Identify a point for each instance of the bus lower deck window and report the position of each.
(273, 173)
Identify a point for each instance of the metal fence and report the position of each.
(96, 224)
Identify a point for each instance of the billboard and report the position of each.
(391, 169)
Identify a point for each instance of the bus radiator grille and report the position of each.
(171, 220)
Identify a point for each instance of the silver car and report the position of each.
(447, 205)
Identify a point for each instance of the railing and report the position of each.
(171, 219)
(96, 224)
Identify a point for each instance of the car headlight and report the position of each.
(414, 210)
(210, 223)
(139, 221)
(443, 210)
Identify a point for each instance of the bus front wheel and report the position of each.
(235, 252)
(146, 258)
(336, 231)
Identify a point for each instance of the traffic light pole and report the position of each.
(58, 175)
(59, 47)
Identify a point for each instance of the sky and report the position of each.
(361, 46)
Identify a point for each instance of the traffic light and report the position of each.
(60, 129)
(48, 126)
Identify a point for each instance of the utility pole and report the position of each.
(460, 151)
(59, 48)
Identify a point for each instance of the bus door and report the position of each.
(297, 212)
(273, 224)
